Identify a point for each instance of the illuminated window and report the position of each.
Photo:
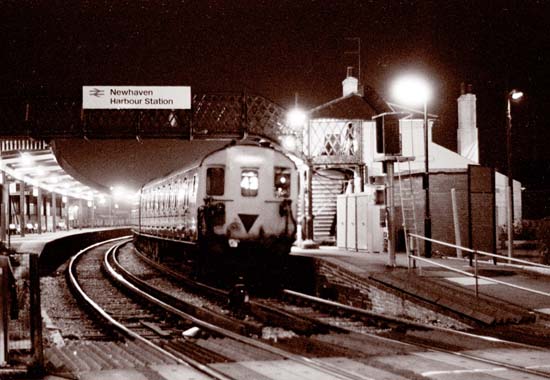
(215, 181)
(249, 183)
(282, 182)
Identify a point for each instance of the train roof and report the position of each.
(199, 162)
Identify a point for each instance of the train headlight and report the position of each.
(233, 243)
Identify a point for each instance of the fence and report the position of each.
(474, 258)
(20, 317)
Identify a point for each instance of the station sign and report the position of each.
(136, 97)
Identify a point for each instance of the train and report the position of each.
(230, 214)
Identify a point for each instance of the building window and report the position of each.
(332, 144)
(249, 183)
(350, 144)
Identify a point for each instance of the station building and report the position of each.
(340, 144)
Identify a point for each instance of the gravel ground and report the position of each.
(62, 313)
(137, 267)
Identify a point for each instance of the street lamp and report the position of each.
(513, 95)
(414, 90)
(296, 119)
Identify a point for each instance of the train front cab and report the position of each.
(247, 224)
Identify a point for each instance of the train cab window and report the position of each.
(249, 183)
(282, 182)
(215, 181)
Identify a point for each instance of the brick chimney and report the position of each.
(468, 145)
(350, 85)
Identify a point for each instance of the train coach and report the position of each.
(232, 213)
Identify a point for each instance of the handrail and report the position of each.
(482, 252)
(475, 275)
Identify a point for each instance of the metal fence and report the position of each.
(474, 255)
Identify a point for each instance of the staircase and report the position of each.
(325, 190)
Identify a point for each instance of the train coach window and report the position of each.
(249, 183)
(282, 182)
(215, 181)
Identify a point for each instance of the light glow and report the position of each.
(26, 159)
(296, 118)
(516, 95)
(411, 90)
(288, 142)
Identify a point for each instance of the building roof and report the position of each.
(352, 106)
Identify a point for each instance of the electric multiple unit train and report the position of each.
(232, 209)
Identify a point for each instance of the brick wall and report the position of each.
(347, 288)
(441, 210)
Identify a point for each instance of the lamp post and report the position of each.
(512, 95)
(414, 90)
(297, 118)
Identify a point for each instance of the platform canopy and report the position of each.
(40, 168)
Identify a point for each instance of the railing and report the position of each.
(476, 276)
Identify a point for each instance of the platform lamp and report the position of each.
(298, 118)
(414, 90)
(513, 95)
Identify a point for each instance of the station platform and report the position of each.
(35, 243)
(434, 283)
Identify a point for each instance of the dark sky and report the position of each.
(278, 48)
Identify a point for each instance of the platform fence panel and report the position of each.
(24, 320)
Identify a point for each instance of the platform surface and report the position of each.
(34, 243)
(368, 264)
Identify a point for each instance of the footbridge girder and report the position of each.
(212, 116)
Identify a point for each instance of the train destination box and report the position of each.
(136, 97)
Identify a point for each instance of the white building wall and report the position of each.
(369, 149)
(501, 182)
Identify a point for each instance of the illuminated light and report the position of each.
(296, 118)
(102, 201)
(516, 95)
(283, 180)
(40, 171)
(64, 199)
(116, 205)
(412, 90)
(89, 203)
(26, 159)
(249, 181)
(289, 142)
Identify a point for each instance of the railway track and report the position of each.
(343, 326)
(216, 351)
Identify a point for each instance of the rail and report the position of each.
(476, 276)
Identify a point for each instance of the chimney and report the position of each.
(467, 137)
(350, 85)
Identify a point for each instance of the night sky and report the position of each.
(279, 48)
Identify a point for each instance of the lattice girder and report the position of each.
(211, 116)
